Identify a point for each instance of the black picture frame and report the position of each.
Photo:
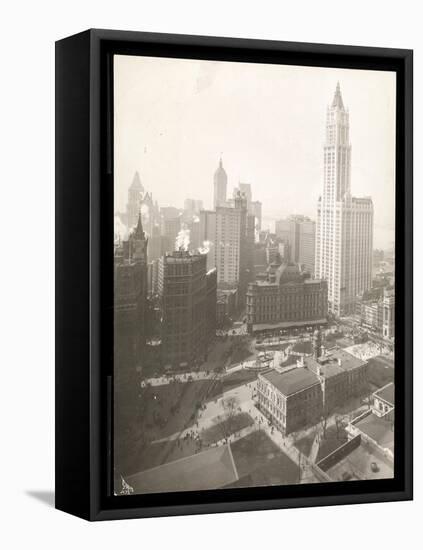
(84, 290)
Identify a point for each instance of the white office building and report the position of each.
(344, 231)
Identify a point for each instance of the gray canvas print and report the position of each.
(254, 275)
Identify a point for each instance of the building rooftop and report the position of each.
(387, 393)
(188, 473)
(336, 362)
(379, 429)
(293, 381)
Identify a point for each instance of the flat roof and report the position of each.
(348, 361)
(292, 381)
(387, 393)
(334, 363)
(379, 429)
(358, 465)
(211, 469)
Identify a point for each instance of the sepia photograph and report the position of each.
(254, 274)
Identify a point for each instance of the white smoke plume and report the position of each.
(205, 248)
(120, 230)
(183, 239)
(145, 213)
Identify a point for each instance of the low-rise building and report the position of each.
(384, 401)
(302, 395)
(377, 425)
(377, 311)
(341, 375)
(227, 303)
(291, 399)
(388, 318)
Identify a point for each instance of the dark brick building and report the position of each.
(130, 299)
(188, 304)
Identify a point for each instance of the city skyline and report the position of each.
(277, 162)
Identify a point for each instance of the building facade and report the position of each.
(341, 376)
(187, 292)
(256, 211)
(232, 241)
(286, 298)
(344, 232)
(207, 235)
(298, 235)
(309, 392)
(307, 245)
(291, 400)
(388, 318)
(170, 230)
(130, 301)
(376, 310)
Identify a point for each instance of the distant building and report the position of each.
(170, 212)
(211, 300)
(371, 314)
(388, 326)
(170, 230)
(135, 194)
(256, 211)
(193, 206)
(287, 298)
(272, 252)
(207, 235)
(376, 310)
(306, 249)
(227, 304)
(245, 189)
(254, 208)
(298, 234)
(234, 244)
(187, 292)
(155, 244)
(220, 182)
(130, 297)
(344, 231)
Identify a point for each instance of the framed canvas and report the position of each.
(233, 274)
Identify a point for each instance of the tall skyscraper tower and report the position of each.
(344, 232)
(220, 181)
(135, 195)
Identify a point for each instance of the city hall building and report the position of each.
(302, 395)
(287, 298)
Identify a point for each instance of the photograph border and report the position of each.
(84, 274)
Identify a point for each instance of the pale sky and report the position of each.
(174, 118)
